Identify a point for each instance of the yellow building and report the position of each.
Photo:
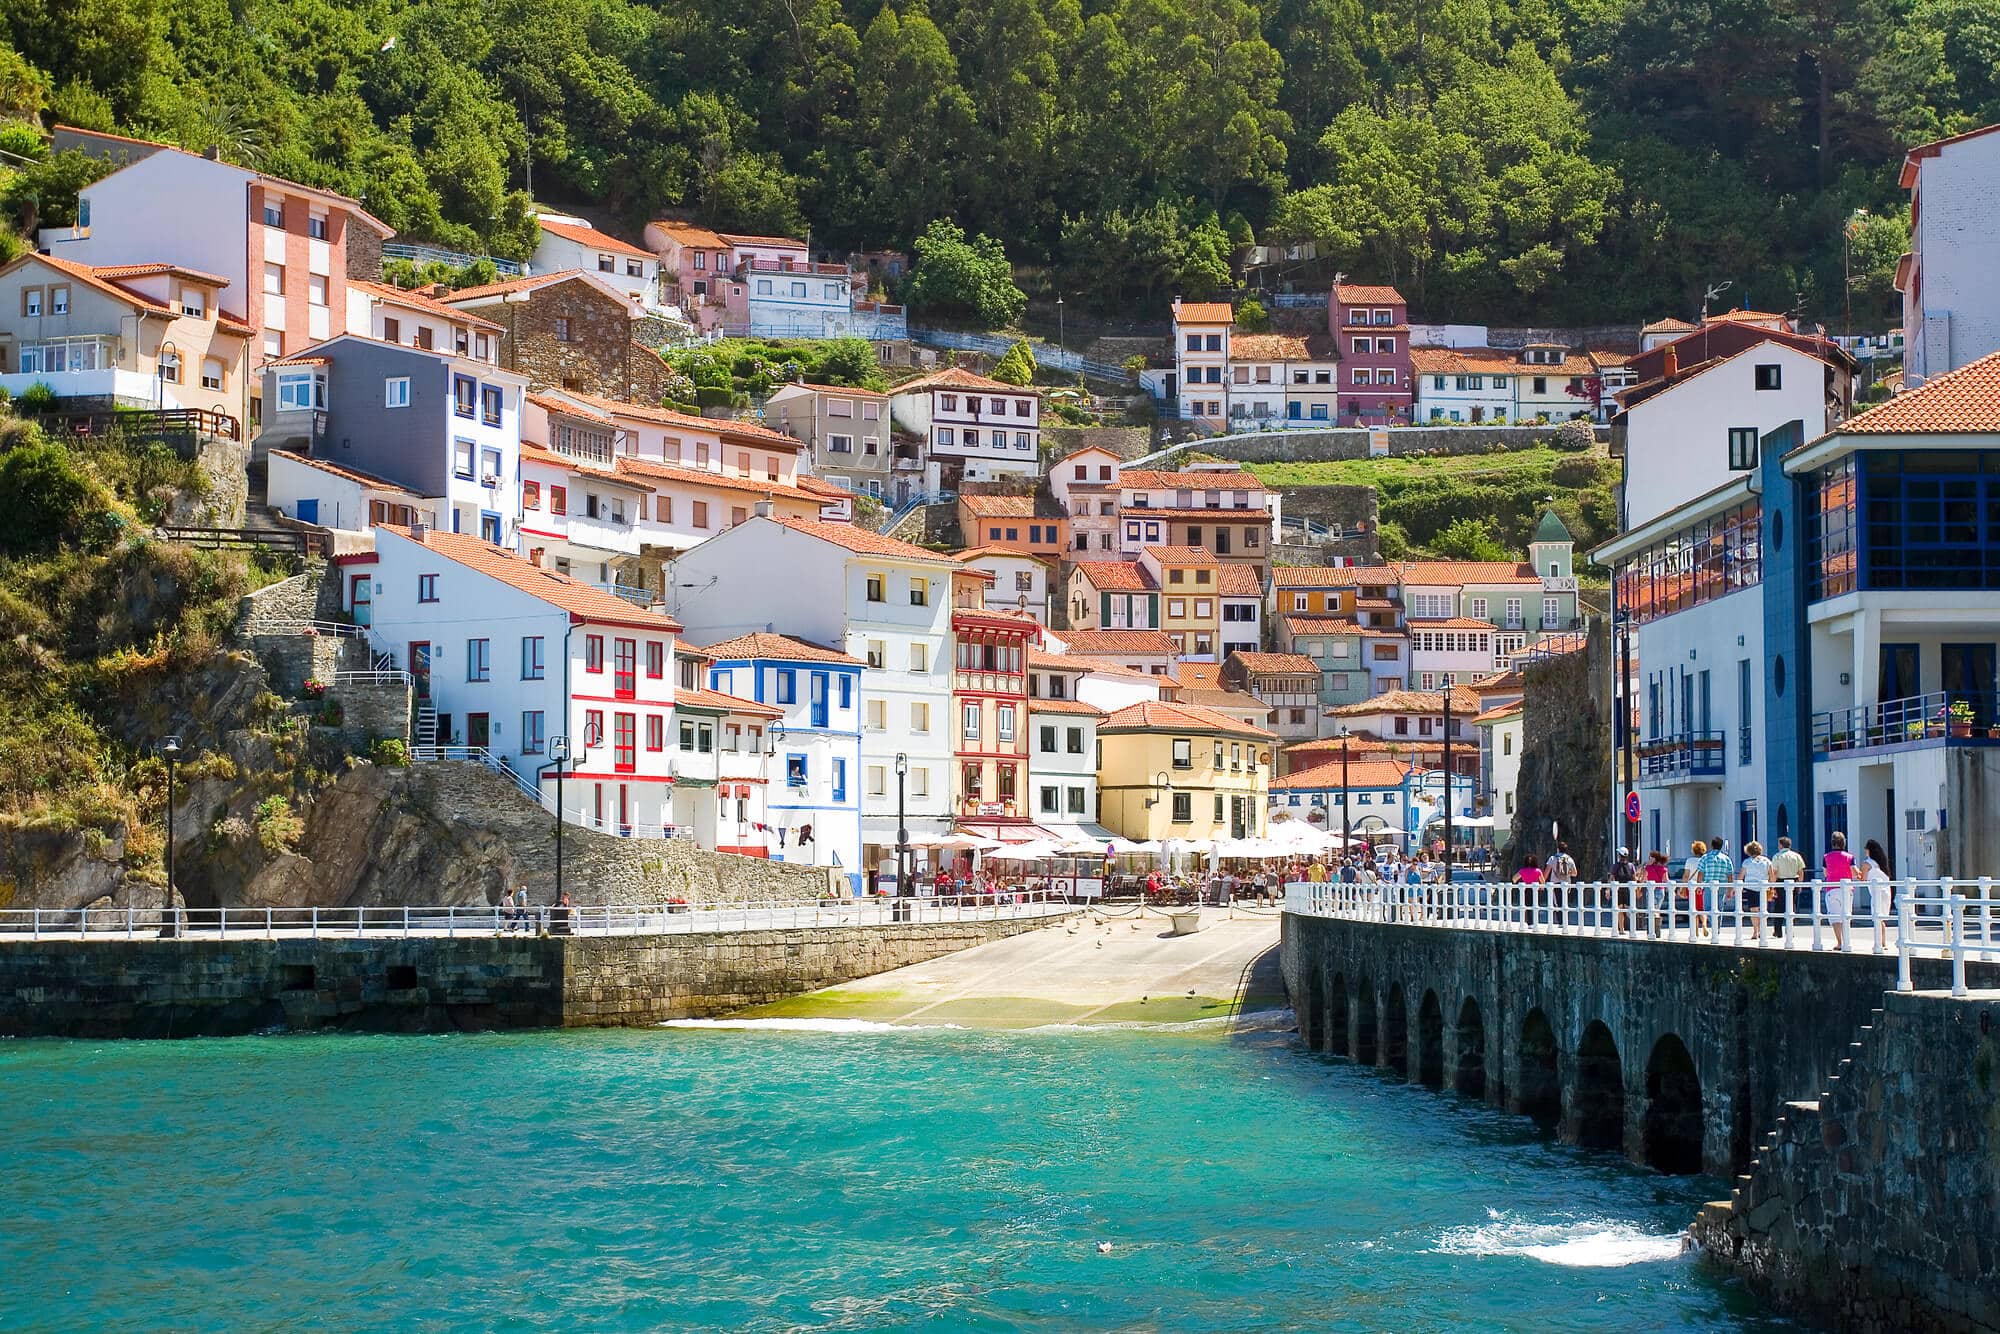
(1189, 580)
(1181, 771)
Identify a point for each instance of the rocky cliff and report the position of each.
(1566, 756)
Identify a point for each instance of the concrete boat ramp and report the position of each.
(1105, 967)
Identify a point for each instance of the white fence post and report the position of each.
(1955, 933)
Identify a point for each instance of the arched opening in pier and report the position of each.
(1471, 1080)
(1430, 1042)
(1336, 1017)
(1600, 1090)
(1672, 1133)
(1364, 1022)
(1540, 1081)
(1396, 1032)
(1311, 1009)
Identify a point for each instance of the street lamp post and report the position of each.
(559, 751)
(903, 866)
(168, 351)
(1062, 341)
(170, 751)
(1447, 779)
(1343, 789)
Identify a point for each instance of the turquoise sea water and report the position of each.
(770, 1179)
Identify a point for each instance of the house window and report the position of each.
(427, 588)
(316, 226)
(532, 732)
(1183, 753)
(593, 653)
(558, 500)
(656, 660)
(31, 301)
(1771, 376)
(211, 373)
(1005, 716)
(920, 659)
(625, 756)
(876, 584)
(699, 518)
(316, 289)
(1363, 345)
(625, 663)
(920, 719)
(300, 391)
(1361, 375)
(489, 404)
(1743, 445)
(194, 302)
(1183, 807)
(531, 495)
(920, 592)
(656, 732)
(461, 458)
(464, 395)
(562, 328)
(274, 279)
(840, 444)
(969, 723)
(274, 213)
(532, 665)
(170, 367)
(787, 686)
(396, 391)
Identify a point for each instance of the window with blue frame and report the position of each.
(1831, 560)
(1929, 519)
(787, 686)
(839, 779)
(846, 692)
(795, 770)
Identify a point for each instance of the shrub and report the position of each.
(1574, 472)
(47, 502)
(391, 751)
(1251, 317)
(278, 827)
(1575, 434)
(1468, 539)
(37, 397)
(1391, 541)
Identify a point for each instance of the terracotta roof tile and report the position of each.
(749, 486)
(1445, 572)
(1160, 715)
(1199, 675)
(957, 377)
(1277, 663)
(419, 301)
(1452, 623)
(1360, 294)
(1463, 701)
(833, 389)
(860, 540)
(1299, 623)
(1669, 326)
(85, 273)
(743, 238)
(351, 474)
(1183, 555)
(1128, 642)
(694, 697)
(1204, 312)
(1148, 479)
(1325, 576)
(688, 233)
(780, 648)
(668, 417)
(1359, 773)
(1077, 706)
(1961, 402)
(1239, 579)
(550, 403)
(530, 283)
(582, 601)
(542, 454)
(1125, 576)
(1267, 347)
(590, 236)
(999, 507)
(1499, 712)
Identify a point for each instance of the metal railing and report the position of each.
(457, 259)
(1948, 715)
(527, 787)
(338, 629)
(669, 917)
(1691, 754)
(145, 422)
(1927, 919)
(375, 677)
(291, 541)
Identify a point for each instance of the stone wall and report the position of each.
(1278, 446)
(1127, 442)
(636, 980)
(598, 356)
(1354, 510)
(1872, 1206)
(280, 604)
(371, 711)
(1509, 1018)
(1566, 756)
(191, 988)
(364, 253)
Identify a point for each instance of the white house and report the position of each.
(1500, 738)
(1085, 485)
(971, 424)
(419, 319)
(1201, 358)
(1021, 582)
(814, 794)
(506, 655)
(573, 243)
(1951, 303)
(877, 599)
(1062, 736)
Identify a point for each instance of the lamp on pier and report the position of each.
(170, 751)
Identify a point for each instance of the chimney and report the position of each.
(1177, 303)
(764, 508)
(419, 531)
(438, 291)
(213, 152)
(1670, 364)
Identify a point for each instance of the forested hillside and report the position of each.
(1558, 160)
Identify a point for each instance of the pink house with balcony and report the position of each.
(1371, 326)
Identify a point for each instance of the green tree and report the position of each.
(1468, 539)
(46, 501)
(1251, 317)
(1017, 366)
(964, 276)
(24, 90)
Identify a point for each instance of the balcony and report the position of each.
(1939, 718)
(1554, 624)
(604, 533)
(1002, 683)
(1685, 757)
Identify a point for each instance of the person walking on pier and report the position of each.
(1837, 869)
(1531, 876)
(1756, 876)
(1562, 875)
(1788, 869)
(1657, 897)
(1625, 876)
(1717, 873)
(1874, 872)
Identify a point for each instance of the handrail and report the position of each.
(665, 917)
(338, 629)
(1924, 919)
(377, 677)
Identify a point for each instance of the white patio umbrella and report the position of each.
(1032, 851)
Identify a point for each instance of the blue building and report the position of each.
(814, 805)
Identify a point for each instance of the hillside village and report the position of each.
(964, 589)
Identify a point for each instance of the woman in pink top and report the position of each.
(1530, 874)
(1837, 869)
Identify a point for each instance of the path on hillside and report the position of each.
(1090, 970)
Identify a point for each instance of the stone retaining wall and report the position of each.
(172, 988)
(1872, 1207)
(1352, 442)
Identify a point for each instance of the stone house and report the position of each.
(568, 330)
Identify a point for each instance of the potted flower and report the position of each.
(1960, 713)
(677, 904)
(313, 689)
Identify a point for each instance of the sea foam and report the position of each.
(804, 1025)
(1585, 1243)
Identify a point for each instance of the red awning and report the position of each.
(1006, 831)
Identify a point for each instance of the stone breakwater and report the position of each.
(1872, 1206)
(198, 988)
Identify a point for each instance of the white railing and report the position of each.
(339, 629)
(399, 923)
(1929, 919)
(377, 677)
(528, 788)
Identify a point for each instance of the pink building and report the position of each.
(1371, 326)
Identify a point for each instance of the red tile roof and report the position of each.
(957, 377)
(1302, 623)
(749, 486)
(353, 475)
(781, 648)
(707, 701)
(590, 236)
(860, 540)
(1359, 773)
(86, 274)
(1147, 479)
(1267, 347)
(542, 454)
(741, 238)
(420, 301)
(1249, 514)
(1452, 623)
(668, 417)
(582, 601)
(1358, 294)
(116, 271)
(506, 287)
(1205, 312)
(1327, 576)
(999, 507)
(1199, 675)
(1146, 643)
(1961, 402)
(1239, 579)
(688, 233)
(1154, 715)
(1039, 705)
(1463, 701)
(550, 403)
(1083, 662)
(1669, 326)
(1183, 555)
(1442, 572)
(1123, 576)
(1276, 663)
(1499, 712)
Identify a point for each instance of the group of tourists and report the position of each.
(1762, 888)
